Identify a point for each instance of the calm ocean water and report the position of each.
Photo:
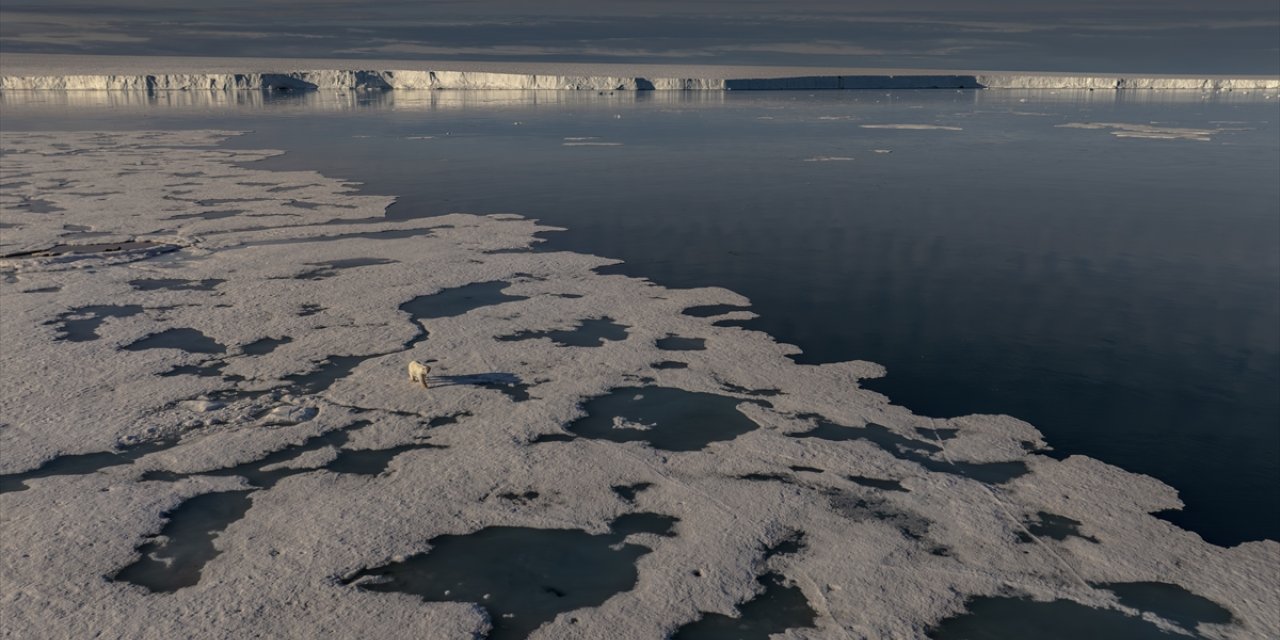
(1121, 294)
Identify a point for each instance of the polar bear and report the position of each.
(418, 372)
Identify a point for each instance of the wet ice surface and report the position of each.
(186, 542)
(79, 464)
(522, 577)
(1011, 618)
(81, 323)
(665, 418)
(778, 608)
(592, 332)
(677, 343)
(261, 430)
(183, 338)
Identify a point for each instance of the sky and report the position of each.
(1118, 36)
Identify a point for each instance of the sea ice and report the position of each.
(906, 520)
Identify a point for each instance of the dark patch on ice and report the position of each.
(453, 418)
(778, 607)
(331, 268)
(670, 364)
(862, 508)
(309, 310)
(746, 391)
(803, 469)
(789, 545)
(175, 559)
(81, 323)
(1054, 527)
(457, 301)
(567, 296)
(214, 202)
(367, 462)
(587, 333)
(254, 471)
(655, 523)
(874, 433)
(210, 369)
(332, 369)
(672, 419)
(53, 289)
(84, 235)
(372, 462)
(988, 472)
(208, 215)
(390, 234)
(711, 310)
(36, 205)
(264, 346)
(80, 249)
(523, 577)
(877, 483)
(552, 437)
(937, 434)
(507, 383)
(184, 339)
(766, 477)
(287, 187)
(82, 464)
(175, 284)
(917, 451)
(677, 343)
(1000, 618)
(521, 498)
(741, 324)
(1171, 602)
(629, 492)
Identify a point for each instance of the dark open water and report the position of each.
(1121, 294)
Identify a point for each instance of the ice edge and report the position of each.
(373, 80)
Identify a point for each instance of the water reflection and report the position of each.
(343, 100)
(332, 100)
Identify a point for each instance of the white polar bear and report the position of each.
(418, 372)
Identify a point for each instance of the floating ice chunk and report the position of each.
(828, 159)
(912, 127)
(1148, 131)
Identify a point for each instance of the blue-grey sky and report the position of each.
(1157, 36)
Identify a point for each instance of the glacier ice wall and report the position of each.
(462, 80)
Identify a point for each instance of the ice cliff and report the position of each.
(461, 80)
